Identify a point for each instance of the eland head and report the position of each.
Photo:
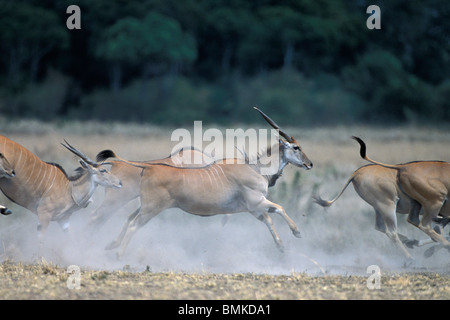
(290, 149)
(100, 174)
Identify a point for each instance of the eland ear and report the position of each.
(83, 163)
(282, 142)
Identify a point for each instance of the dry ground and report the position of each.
(47, 281)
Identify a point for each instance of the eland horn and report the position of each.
(275, 126)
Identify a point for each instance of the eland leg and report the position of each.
(140, 220)
(116, 243)
(273, 207)
(430, 251)
(432, 196)
(386, 222)
(264, 217)
(111, 204)
(413, 216)
(136, 220)
(431, 211)
(260, 207)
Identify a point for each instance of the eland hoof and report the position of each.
(6, 212)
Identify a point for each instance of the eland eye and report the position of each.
(296, 148)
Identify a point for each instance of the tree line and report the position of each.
(173, 62)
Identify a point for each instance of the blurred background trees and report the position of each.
(173, 62)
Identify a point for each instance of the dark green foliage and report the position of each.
(173, 62)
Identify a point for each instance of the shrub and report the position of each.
(39, 100)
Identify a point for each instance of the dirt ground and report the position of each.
(47, 281)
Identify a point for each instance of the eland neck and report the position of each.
(83, 187)
(266, 158)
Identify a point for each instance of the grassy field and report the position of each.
(181, 256)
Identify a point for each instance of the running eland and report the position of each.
(427, 185)
(46, 190)
(130, 176)
(378, 186)
(217, 188)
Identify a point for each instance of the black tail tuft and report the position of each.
(362, 151)
(105, 154)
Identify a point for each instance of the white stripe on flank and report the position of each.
(31, 173)
(209, 177)
(218, 176)
(184, 182)
(203, 180)
(223, 172)
(39, 174)
(215, 175)
(53, 180)
(19, 162)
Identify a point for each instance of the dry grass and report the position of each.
(48, 281)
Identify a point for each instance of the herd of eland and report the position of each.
(419, 189)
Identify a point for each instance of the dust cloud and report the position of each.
(338, 240)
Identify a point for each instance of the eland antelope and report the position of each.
(217, 188)
(427, 185)
(378, 186)
(130, 176)
(46, 190)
